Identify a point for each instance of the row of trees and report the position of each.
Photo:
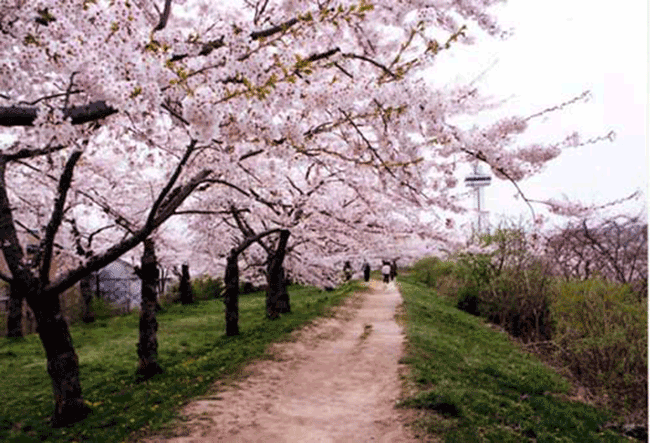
(260, 122)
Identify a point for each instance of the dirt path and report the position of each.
(336, 382)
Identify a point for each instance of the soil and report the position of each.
(336, 380)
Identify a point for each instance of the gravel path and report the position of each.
(336, 381)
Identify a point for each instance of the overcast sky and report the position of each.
(560, 48)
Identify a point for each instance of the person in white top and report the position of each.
(385, 271)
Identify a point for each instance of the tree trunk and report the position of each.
(15, 313)
(185, 286)
(148, 346)
(284, 305)
(85, 287)
(62, 361)
(231, 295)
(275, 277)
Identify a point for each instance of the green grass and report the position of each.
(193, 349)
(472, 383)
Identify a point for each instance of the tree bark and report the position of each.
(62, 360)
(284, 304)
(148, 346)
(85, 287)
(185, 287)
(15, 313)
(231, 294)
(275, 277)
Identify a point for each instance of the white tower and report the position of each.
(478, 180)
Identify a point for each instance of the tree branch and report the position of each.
(250, 240)
(11, 249)
(170, 183)
(282, 27)
(30, 153)
(25, 116)
(57, 216)
(164, 16)
(95, 263)
(373, 62)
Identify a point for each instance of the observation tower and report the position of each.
(479, 180)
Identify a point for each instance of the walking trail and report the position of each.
(337, 380)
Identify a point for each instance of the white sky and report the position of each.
(559, 49)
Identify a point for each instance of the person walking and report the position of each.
(385, 271)
(366, 271)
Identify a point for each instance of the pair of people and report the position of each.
(388, 270)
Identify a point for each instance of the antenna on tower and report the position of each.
(478, 180)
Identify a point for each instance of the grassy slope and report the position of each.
(476, 386)
(192, 348)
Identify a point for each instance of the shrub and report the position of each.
(519, 301)
(438, 274)
(601, 334)
(207, 287)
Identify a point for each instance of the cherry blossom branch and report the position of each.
(57, 216)
(119, 219)
(253, 239)
(49, 97)
(241, 223)
(69, 90)
(25, 116)
(210, 46)
(282, 27)
(170, 183)
(176, 197)
(30, 153)
(11, 249)
(250, 154)
(230, 185)
(586, 95)
(373, 62)
(164, 16)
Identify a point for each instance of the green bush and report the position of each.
(601, 335)
(438, 274)
(596, 329)
(207, 287)
(519, 301)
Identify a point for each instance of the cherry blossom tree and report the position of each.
(121, 112)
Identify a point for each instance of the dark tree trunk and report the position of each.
(284, 305)
(275, 277)
(15, 313)
(85, 287)
(148, 346)
(62, 361)
(185, 287)
(231, 294)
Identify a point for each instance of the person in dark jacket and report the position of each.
(366, 271)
